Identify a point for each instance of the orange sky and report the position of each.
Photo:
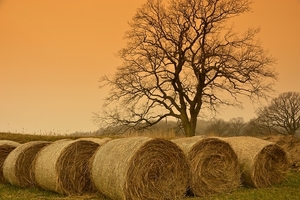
(53, 52)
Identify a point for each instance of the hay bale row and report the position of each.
(262, 163)
(6, 146)
(143, 167)
(63, 166)
(18, 166)
(134, 168)
(213, 165)
(140, 168)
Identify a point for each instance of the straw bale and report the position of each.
(213, 165)
(6, 146)
(291, 145)
(99, 141)
(63, 166)
(262, 163)
(17, 168)
(140, 168)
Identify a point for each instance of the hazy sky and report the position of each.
(53, 52)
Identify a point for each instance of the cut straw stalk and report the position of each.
(262, 163)
(63, 166)
(6, 146)
(17, 168)
(140, 168)
(213, 165)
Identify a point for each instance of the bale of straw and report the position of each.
(140, 168)
(63, 166)
(6, 146)
(213, 165)
(262, 163)
(17, 168)
(291, 145)
(99, 141)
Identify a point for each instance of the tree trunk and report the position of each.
(189, 131)
(190, 127)
(292, 132)
(193, 126)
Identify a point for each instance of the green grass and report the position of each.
(15, 193)
(288, 189)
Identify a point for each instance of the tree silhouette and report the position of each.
(282, 115)
(183, 57)
(217, 127)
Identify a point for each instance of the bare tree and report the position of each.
(236, 126)
(217, 127)
(220, 127)
(183, 57)
(258, 126)
(282, 115)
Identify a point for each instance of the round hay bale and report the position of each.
(262, 163)
(17, 168)
(99, 141)
(140, 168)
(63, 166)
(291, 145)
(214, 166)
(6, 146)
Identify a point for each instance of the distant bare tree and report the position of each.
(182, 57)
(217, 127)
(236, 126)
(282, 115)
(259, 126)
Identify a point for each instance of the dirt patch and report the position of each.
(291, 145)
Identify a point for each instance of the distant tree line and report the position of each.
(280, 116)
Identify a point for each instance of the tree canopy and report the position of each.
(282, 115)
(183, 56)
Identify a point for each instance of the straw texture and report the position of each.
(140, 168)
(17, 168)
(213, 165)
(291, 145)
(262, 163)
(6, 146)
(63, 166)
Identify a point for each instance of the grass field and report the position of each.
(288, 189)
